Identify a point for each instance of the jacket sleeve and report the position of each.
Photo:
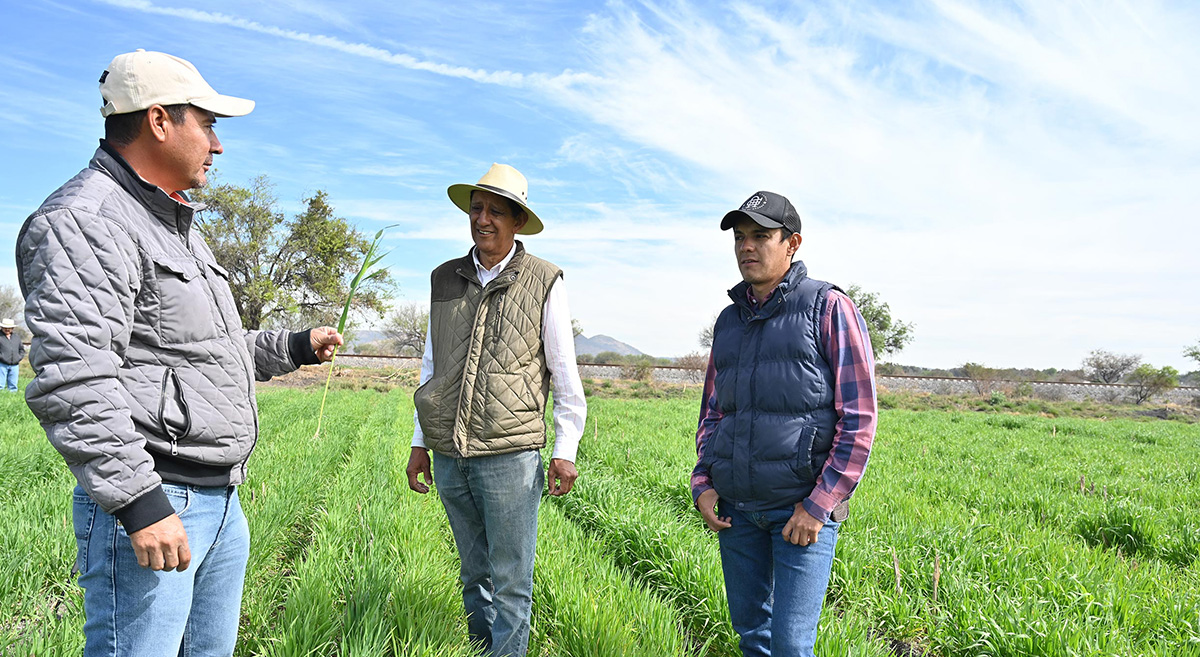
(80, 275)
(272, 352)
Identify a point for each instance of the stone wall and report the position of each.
(936, 385)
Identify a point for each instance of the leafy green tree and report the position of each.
(1193, 352)
(576, 328)
(1147, 381)
(284, 269)
(888, 335)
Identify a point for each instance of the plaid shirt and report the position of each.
(848, 351)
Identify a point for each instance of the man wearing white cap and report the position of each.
(499, 338)
(12, 350)
(143, 375)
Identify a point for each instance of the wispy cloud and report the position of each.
(503, 78)
(1018, 179)
(981, 153)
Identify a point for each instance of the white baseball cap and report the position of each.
(136, 80)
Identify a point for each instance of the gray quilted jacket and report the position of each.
(142, 365)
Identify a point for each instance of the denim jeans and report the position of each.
(492, 504)
(137, 612)
(8, 376)
(775, 588)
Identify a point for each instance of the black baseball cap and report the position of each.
(767, 209)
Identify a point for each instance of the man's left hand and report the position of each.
(325, 339)
(561, 476)
(802, 528)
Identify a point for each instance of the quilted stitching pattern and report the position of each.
(488, 343)
(110, 321)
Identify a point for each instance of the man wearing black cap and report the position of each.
(786, 427)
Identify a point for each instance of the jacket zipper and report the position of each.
(168, 375)
(459, 413)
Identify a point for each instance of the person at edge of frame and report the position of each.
(499, 338)
(12, 350)
(143, 374)
(787, 420)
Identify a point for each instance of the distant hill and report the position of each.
(599, 343)
(363, 337)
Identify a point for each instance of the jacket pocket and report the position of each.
(184, 308)
(804, 455)
(511, 391)
(430, 401)
(174, 416)
(223, 296)
(535, 392)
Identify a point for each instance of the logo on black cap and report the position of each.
(754, 202)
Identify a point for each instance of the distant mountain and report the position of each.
(363, 337)
(599, 343)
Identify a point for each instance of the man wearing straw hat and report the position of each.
(12, 350)
(143, 375)
(499, 339)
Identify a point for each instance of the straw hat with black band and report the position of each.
(502, 180)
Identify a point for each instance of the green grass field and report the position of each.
(972, 534)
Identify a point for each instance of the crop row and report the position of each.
(970, 535)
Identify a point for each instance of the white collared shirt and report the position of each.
(558, 341)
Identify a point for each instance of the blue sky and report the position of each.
(1020, 180)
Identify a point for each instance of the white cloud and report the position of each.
(959, 162)
(1019, 180)
(503, 78)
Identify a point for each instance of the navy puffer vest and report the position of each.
(775, 390)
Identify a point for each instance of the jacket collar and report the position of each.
(740, 294)
(175, 216)
(466, 267)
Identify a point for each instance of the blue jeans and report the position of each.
(137, 612)
(8, 376)
(492, 504)
(775, 588)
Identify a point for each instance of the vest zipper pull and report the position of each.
(174, 447)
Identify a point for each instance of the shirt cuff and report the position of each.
(145, 510)
(565, 451)
(300, 349)
(816, 510)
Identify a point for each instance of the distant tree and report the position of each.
(606, 358)
(1102, 366)
(406, 327)
(286, 268)
(888, 335)
(1147, 381)
(576, 328)
(696, 364)
(12, 306)
(981, 376)
(706, 333)
(1193, 352)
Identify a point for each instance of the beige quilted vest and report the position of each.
(489, 385)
